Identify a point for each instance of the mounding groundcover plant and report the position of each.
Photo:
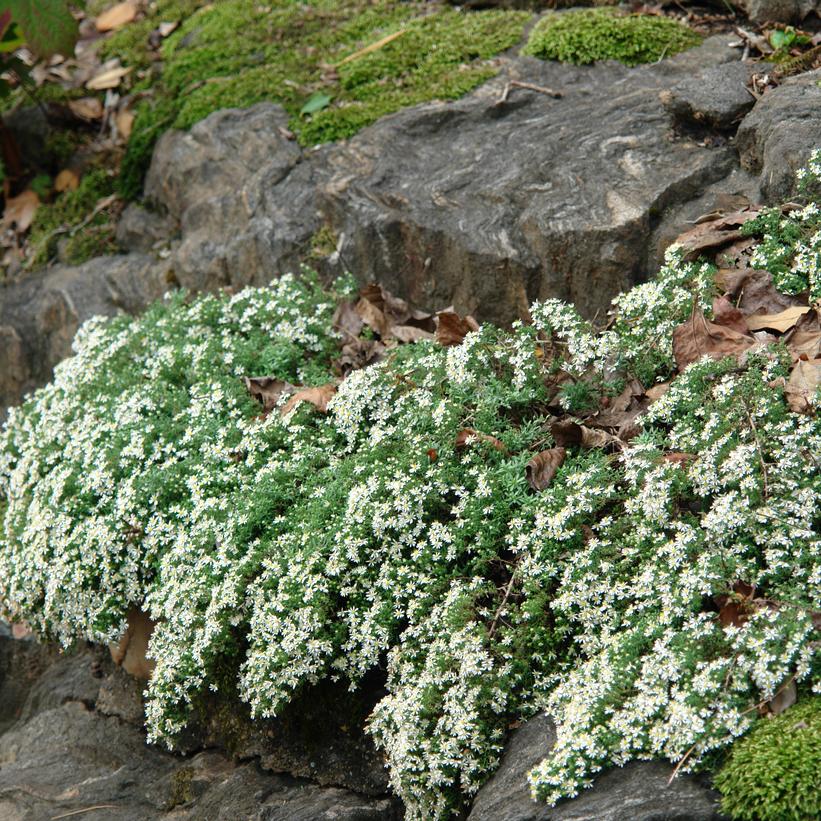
(619, 526)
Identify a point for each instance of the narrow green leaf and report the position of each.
(47, 25)
(316, 102)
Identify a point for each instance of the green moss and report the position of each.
(62, 220)
(323, 243)
(588, 35)
(181, 791)
(774, 773)
(235, 54)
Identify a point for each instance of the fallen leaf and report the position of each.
(164, 29)
(86, 108)
(567, 433)
(318, 397)
(541, 469)
(372, 316)
(108, 79)
(20, 210)
(782, 321)
(316, 102)
(67, 180)
(451, 329)
(698, 337)
(116, 17)
(657, 391)
(267, 390)
(804, 340)
(469, 435)
(396, 310)
(131, 652)
(726, 314)
(783, 699)
(408, 333)
(710, 234)
(124, 122)
(347, 321)
(681, 459)
(432, 454)
(622, 412)
(735, 608)
(358, 354)
(753, 291)
(803, 385)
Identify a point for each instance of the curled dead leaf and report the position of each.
(20, 210)
(67, 180)
(567, 433)
(131, 652)
(542, 468)
(804, 340)
(347, 321)
(116, 17)
(726, 314)
(657, 391)
(124, 122)
(736, 607)
(682, 459)
(108, 79)
(467, 436)
(87, 108)
(698, 337)
(451, 329)
(409, 333)
(802, 385)
(754, 292)
(318, 397)
(267, 390)
(782, 321)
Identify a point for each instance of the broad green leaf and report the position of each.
(316, 102)
(780, 39)
(47, 25)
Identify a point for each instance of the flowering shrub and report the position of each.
(652, 592)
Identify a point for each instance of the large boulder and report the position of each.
(640, 791)
(775, 139)
(779, 11)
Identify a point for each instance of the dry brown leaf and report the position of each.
(131, 652)
(697, 338)
(267, 390)
(116, 17)
(67, 180)
(318, 397)
(124, 122)
(164, 29)
(347, 321)
(657, 391)
(782, 321)
(20, 211)
(395, 310)
(753, 291)
(372, 316)
(804, 340)
(622, 412)
(712, 234)
(567, 433)
(541, 469)
(802, 385)
(726, 314)
(682, 459)
(408, 333)
(468, 435)
(451, 329)
(735, 609)
(358, 353)
(108, 79)
(86, 108)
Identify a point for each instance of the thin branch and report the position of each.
(498, 615)
(84, 810)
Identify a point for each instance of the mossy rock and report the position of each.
(588, 35)
(368, 58)
(774, 773)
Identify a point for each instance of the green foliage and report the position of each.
(774, 774)
(60, 220)
(587, 35)
(282, 550)
(47, 25)
(235, 54)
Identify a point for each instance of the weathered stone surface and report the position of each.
(779, 11)
(776, 137)
(40, 313)
(140, 230)
(636, 792)
(492, 205)
(62, 750)
(715, 98)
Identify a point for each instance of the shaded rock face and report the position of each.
(779, 11)
(71, 738)
(637, 792)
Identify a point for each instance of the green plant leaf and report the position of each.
(47, 25)
(781, 39)
(316, 102)
(12, 38)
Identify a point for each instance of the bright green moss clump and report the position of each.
(235, 54)
(589, 35)
(774, 774)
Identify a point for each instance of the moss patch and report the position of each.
(63, 220)
(235, 54)
(588, 35)
(774, 773)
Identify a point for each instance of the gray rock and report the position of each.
(776, 137)
(492, 205)
(779, 11)
(40, 313)
(716, 98)
(636, 792)
(141, 230)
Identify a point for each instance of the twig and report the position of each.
(85, 809)
(760, 452)
(680, 764)
(511, 84)
(778, 692)
(372, 47)
(498, 615)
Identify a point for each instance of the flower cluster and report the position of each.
(276, 551)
